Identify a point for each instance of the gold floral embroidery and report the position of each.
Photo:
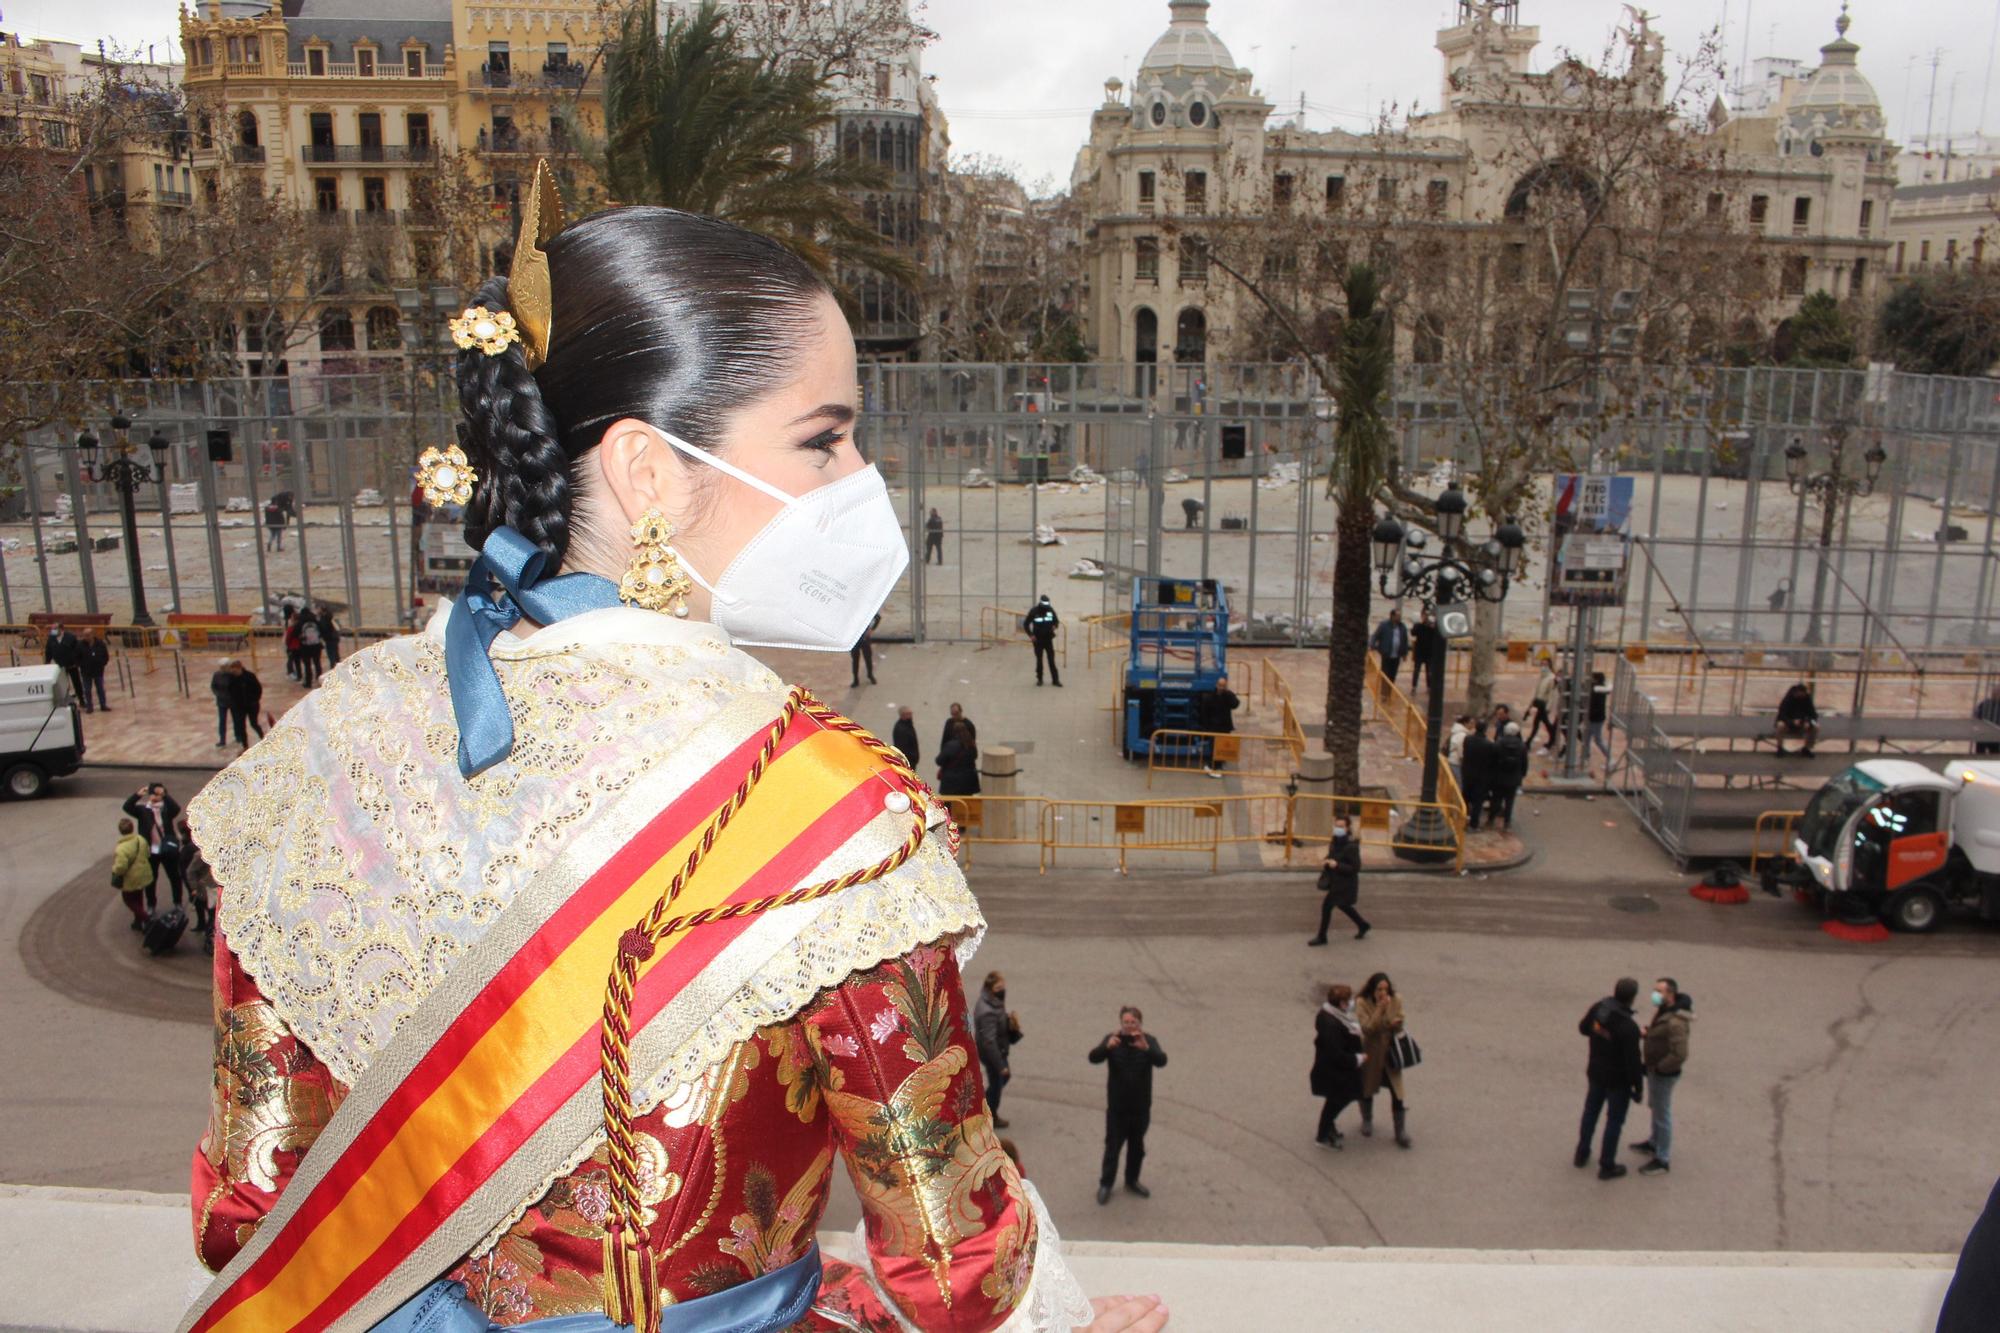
(259, 1109)
(1013, 1264)
(803, 1070)
(765, 1237)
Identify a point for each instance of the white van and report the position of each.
(41, 733)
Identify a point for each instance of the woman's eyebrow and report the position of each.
(838, 412)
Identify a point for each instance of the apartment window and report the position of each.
(1951, 253)
(1437, 196)
(413, 63)
(1860, 279)
(326, 194)
(1336, 190)
(1197, 192)
(316, 61)
(374, 194)
(209, 191)
(253, 51)
(385, 329)
(207, 51)
(336, 331)
(55, 134)
(1793, 281)
(558, 56)
(187, 181)
(417, 129)
(1899, 255)
(246, 129)
(1715, 206)
(1148, 252)
(159, 185)
(1867, 215)
(371, 136)
(504, 135)
(235, 46)
(17, 83)
(1281, 190)
(1760, 208)
(881, 80)
(1194, 260)
(40, 84)
(364, 61)
(498, 58)
(1923, 254)
(1385, 191)
(1801, 215)
(1146, 189)
(90, 182)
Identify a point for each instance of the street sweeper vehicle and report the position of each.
(1892, 839)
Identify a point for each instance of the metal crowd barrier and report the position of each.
(1248, 754)
(998, 626)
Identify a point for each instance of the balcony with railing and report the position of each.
(376, 154)
(569, 74)
(383, 70)
(173, 198)
(247, 153)
(522, 143)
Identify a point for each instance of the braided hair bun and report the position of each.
(510, 438)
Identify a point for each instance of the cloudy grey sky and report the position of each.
(1018, 78)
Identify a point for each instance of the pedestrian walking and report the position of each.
(1339, 1056)
(329, 634)
(1041, 624)
(1598, 715)
(155, 812)
(1340, 882)
(1190, 512)
(274, 525)
(310, 648)
(955, 715)
(1391, 642)
(1476, 772)
(958, 762)
(1132, 1055)
(294, 656)
(864, 650)
(222, 686)
(1215, 711)
(1615, 1072)
(132, 871)
(246, 696)
(95, 659)
(63, 649)
(934, 537)
(1664, 1052)
(904, 737)
(1510, 770)
(996, 1030)
(1380, 1011)
(1423, 644)
(1541, 709)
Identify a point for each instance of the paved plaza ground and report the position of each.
(1838, 1100)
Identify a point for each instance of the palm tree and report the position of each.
(1363, 364)
(696, 122)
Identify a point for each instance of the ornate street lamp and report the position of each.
(1833, 489)
(127, 474)
(1458, 574)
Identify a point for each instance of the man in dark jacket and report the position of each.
(904, 736)
(1798, 716)
(1616, 1072)
(94, 660)
(956, 714)
(1133, 1054)
(1510, 769)
(1215, 711)
(994, 1031)
(246, 696)
(1423, 643)
(1041, 624)
(222, 685)
(1391, 643)
(1480, 757)
(1340, 882)
(329, 634)
(63, 649)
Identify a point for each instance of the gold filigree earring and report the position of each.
(655, 580)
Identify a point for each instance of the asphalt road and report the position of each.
(1839, 1098)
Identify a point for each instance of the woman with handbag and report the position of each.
(1390, 1051)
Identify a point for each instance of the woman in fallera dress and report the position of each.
(562, 951)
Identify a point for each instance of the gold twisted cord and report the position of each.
(631, 1279)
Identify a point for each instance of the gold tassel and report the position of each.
(631, 1279)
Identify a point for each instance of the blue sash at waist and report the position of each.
(776, 1300)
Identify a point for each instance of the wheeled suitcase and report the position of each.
(164, 930)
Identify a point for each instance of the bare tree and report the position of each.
(1007, 272)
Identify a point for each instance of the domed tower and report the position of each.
(1184, 73)
(1833, 120)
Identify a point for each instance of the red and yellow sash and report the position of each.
(429, 1142)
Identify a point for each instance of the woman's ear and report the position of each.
(640, 471)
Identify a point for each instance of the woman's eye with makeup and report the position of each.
(826, 443)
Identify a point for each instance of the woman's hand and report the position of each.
(1127, 1314)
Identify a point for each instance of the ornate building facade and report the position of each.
(1809, 173)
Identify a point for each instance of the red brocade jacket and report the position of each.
(879, 1071)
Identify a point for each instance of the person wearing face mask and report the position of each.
(1338, 1058)
(1340, 882)
(1664, 1049)
(639, 899)
(996, 1029)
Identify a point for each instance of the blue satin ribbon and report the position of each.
(485, 728)
(775, 1300)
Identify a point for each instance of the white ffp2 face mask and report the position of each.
(816, 574)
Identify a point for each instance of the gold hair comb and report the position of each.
(528, 281)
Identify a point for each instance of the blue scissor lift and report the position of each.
(1180, 639)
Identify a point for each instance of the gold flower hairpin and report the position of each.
(484, 329)
(446, 476)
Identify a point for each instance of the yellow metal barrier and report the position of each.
(997, 821)
(1784, 821)
(998, 625)
(1249, 755)
(1131, 826)
(1273, 820)
(1110, 633)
